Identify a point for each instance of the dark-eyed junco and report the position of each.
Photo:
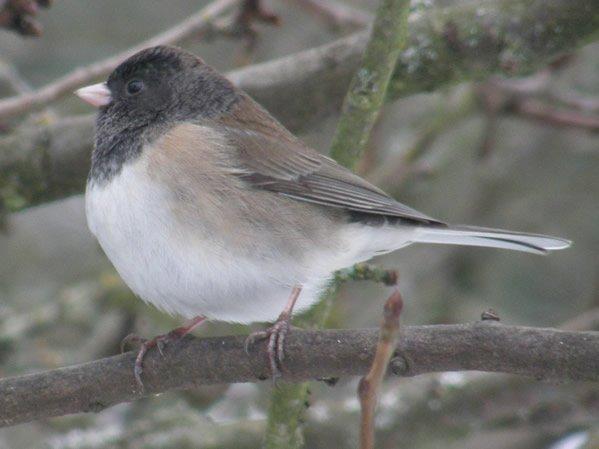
(209, 208)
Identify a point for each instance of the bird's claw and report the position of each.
(276, 335)
(160, 341)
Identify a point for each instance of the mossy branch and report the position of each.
(289, 402)
(368, 88)
(362, 104)
(481, 346)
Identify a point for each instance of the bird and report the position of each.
(209, 208)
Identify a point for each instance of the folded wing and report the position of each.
(271, 158)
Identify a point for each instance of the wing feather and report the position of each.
(273, 159)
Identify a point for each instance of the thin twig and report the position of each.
(530, 98)
(337, 14)
(574, 100)
(533, 84)
(481, 346)
(19, 86)
(504, 98)
(194, 25)
(543, 112)
(370, 384)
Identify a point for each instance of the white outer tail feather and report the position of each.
(494, 238)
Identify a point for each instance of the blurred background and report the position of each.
(62, 303)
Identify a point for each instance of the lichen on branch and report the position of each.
(368, 88)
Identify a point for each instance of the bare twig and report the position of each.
(543, 112)
(194, 25)
(575, 100)
(530, 98)
(481, 346)
(370, 384)
(520, 99)
(337, 14)
(19, 15)
(529, 85)
(16, 84)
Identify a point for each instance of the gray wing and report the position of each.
(283, 164)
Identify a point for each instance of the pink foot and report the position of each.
(276, 335)
(160, 341)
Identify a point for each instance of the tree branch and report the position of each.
(483, 346)
(195, 24)
(364, 99)
(301, 88)
(368, 88)
(45, 162)
(446, 45)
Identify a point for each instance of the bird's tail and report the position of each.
(495, 238)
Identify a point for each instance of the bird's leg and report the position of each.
(159, 341)
(276, 335)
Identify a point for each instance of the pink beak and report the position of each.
(97, 94)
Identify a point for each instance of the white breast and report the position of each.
(187, 272)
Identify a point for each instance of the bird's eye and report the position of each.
(134, 87)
